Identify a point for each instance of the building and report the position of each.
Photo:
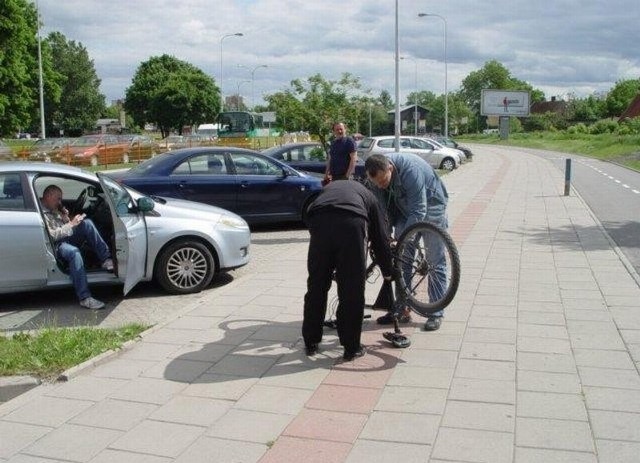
(407, 115)
(633, 110)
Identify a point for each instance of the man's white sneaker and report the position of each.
(91, 303)
(108, 265)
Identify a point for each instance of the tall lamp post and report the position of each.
(415, 95)
(253, 71)
(238, 94)
(237, 34)
(446, 94)
(41, 86)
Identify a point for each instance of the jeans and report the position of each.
(436, 215)
(68, 250)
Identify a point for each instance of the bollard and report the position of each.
(567, 177)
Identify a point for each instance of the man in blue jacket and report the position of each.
(410, 191)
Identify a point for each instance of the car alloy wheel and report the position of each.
(184, 267)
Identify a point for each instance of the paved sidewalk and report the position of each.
(537, 360)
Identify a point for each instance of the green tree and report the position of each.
(83, 103)
(493, 75)
(171, 94)
(621, 95)
(320, 102)
(586, 110)
(18, 65)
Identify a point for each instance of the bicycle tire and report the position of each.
(424, 285)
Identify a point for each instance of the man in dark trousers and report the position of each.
(341, 220)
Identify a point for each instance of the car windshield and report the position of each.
(270, 151)
(86, 141)
(366, 143)
(149, 164)
(119, 195)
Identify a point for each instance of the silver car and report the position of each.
(180, 244)
(438, 156)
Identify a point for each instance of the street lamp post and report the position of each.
(253, 103)
(238, 93)
(40, 84)
(446, 94)
(415, 95)
(237, 34)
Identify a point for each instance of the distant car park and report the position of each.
(436, 155)
(451, 143)
(43, 149)
(256, 187)
(93, 150)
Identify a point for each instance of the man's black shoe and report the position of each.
(311, 349)
(388, 319)
(432, 323)
(352, 355)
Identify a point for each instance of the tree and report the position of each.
(621, 95)
(493, 75)
(320, 102)
(19, 65)
(171, 94)
(83, 103)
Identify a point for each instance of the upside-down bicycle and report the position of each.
(426, 274)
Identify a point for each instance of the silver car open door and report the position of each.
(130, 231)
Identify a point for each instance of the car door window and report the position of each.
(386, 143)
(11, 194)
(314, 152)
(202, 164)
(248, 164)
(420, 144)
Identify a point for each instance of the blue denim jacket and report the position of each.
(418, 194)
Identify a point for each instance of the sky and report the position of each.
(562, 47)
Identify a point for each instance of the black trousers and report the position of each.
(338, 242)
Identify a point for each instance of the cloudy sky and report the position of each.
(559, 46)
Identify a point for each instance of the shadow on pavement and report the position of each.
(248, 349)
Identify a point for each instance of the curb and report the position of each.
(14, 386)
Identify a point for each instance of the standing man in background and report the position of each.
(341, 162)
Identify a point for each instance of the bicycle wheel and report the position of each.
(427, 268)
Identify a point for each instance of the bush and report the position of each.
(606, 126)
(631, 126)
(578, 129)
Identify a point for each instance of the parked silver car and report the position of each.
(438, 156)
(180, 244)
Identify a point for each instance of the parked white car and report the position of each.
(438, 156)
(181, 244)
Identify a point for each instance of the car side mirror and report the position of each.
(146, 204)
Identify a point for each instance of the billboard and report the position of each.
(504, 103)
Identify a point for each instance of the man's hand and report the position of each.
(77, 219)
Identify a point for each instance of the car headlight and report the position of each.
(233, 222)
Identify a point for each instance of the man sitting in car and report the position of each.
(69, 233)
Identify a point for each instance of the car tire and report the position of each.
(448, 164)
(184, 267)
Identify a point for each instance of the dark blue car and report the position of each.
(307, 156)
(256, 187)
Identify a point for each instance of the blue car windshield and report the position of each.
(149, 164)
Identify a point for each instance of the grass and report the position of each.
(51, 351)
(621, 149)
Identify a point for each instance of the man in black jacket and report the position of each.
(341, 220)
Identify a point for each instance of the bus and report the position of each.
(246, 129)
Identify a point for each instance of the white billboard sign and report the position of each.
(268, 116)
(504, 103)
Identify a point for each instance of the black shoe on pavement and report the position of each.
(388, 319)
(432, 324)
(311, 349)
(352, 355)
